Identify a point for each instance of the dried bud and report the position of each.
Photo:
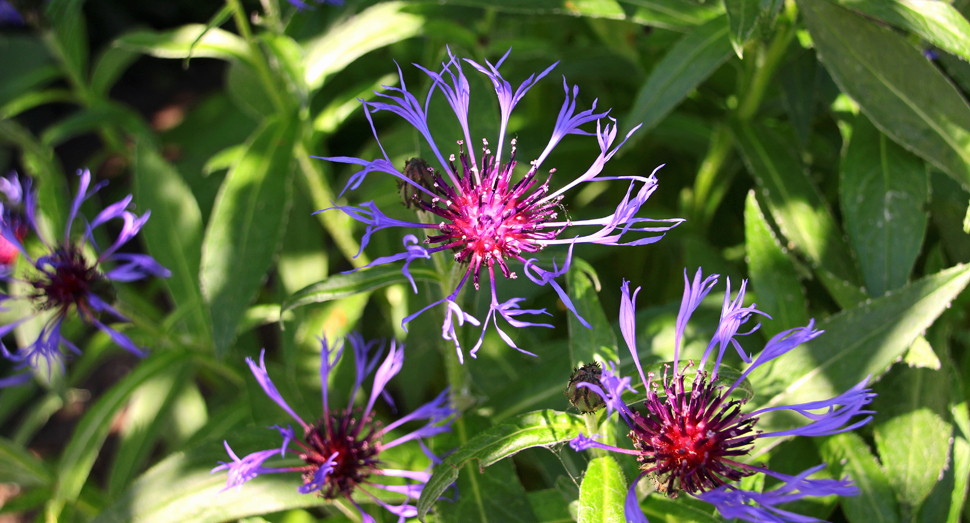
(583, 398)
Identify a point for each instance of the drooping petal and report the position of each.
(262, 377)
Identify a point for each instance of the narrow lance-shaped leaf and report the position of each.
(939, 23)
(861, 341)
(688, 63)
(373, 28)
(194, 40)
(345, 285)
(181, 488)
(884, 194)
(773, 276)
(246, 227)
(794, 201)
(89, 435)
(602, 492)
(742, 18)
(848, 454)
(173, 235)
(535, 429)
(586, 344)
(904, 95)
(669, 14)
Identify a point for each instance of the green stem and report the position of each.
(765, 68)
(322, 195)
(722, 145)
(259, 61)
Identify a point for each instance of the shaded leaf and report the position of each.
(688, 63)
(246, 228)
(550, 506)
(109, 67)
(535, 429)
(903, 94)
(742, 18)
(773, 277)
(492, 496)
(884, 195)
(602, 492)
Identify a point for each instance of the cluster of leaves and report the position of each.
(819, 148)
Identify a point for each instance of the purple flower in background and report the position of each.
(484, 212)
(690, 433)
(341, 451)
(65, 278)
(11, 213)
(9, 17)
(304, 5)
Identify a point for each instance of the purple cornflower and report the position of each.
(341, 451)
(689, 437)
(482, 212)
(65, 278)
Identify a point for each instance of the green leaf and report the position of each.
(669, 14)
(89, 435)
(661, 508)
(794, 201)
(246, 227)
(602, 492)
(194, 40)
(145, 418)
(904, 95)
(173, 235)
(26, 65)
(860, 342)
(346, 285)
(109, 66)
(344, 42)
(799, 83)
(495, 496)
(535, 429)
(181, 489)
(550, 506)
(884, 195)
(586, 344)
(95, 117)
(688, 63)
(847, 453)
(939, 23)
(773, 277)
(18, 465)
(31, 99)
(742, 18)
(67, 36)
(217, 20)
(946, 501)
(912, 406)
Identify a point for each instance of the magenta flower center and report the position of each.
(688, 438)
(487, 218)
(357, 446)
(67, 279)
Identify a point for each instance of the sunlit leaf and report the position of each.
(598, 343)
(847, 454)
(903, 94)
(535, 429)
(246, 228)
(345, 285)
(602, 492)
